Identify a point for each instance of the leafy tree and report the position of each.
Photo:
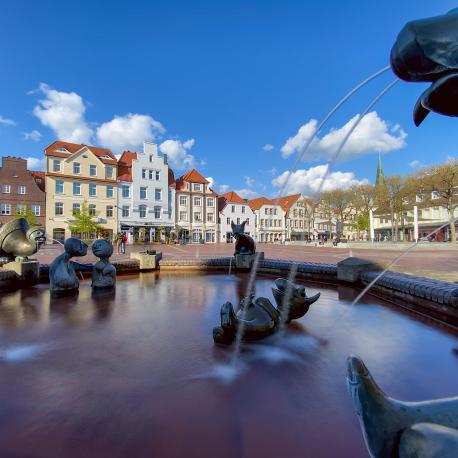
(442, 182)
(83, 223)
(26, 212)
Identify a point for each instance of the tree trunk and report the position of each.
(451, 219)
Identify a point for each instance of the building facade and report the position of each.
(269, 220)
(232, 208)
(299, 221)
(196, 209)
(78, 176)
(145, 196)
(21, 190)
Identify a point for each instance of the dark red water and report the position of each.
(124, 375)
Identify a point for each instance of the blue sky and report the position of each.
(213, 82)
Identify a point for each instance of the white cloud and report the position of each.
(212, 182)
(63, 112)
(250, 182)
(268, 147)
(35, 163)
(246, 193)
(372, 134)
(128, 132)
(415, 164)
(34, 135)
(307, 181)
(223, 188)
(178, 153)
(6, 122)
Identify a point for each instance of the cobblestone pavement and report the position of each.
(428, 261)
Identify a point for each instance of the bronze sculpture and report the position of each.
(258, 318)
(427, 50)
(244, 244)
(404, 429)
(62, 272)
(103, 272)
(18, 240)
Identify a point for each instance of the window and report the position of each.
(76, 188)
(76, 168)
(238, 220)
(197, 187)
(158, 175)
(243, 208)
(435, 195)
(210, 202)
(92, 190)
(248, 221)
(151, 158)
(228, 221)
(109, 172)
(233, 209)
(266, 210)
(21, 189)
(58, 208)
(158, 194)
(93, 170)
(109, 211)
(36, 209)
(197, 201)
(109, 190)
(125, 191)
(59, 187)
(183, 200)
(6, 189)
(142, 210)
(151, 174)
(197, 217)
(144, 174)
(56, 165)
(92, 209)
(275, 211)
(5, 209)
(125, 211)
(157, 212)
(209, 237)
(142, 192)
(210, 217)
(76, 208)
(183, 216)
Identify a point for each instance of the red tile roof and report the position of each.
(72, 148)
(286, 202)
(193, 176)
(232, 196)
(256, 204)
(125, 165)
(39, 175)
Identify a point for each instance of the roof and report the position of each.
(125, 165)
(232, 196)
(256, 204)
(39, 175)
(193, 176)
(286, 202)
(105, 155)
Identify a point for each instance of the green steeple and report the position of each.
(380, 178)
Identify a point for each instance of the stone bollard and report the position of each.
(149, 260)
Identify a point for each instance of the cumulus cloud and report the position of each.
(211, 181)
(34, 135)
(178, 153)
(373, 134)
(63, 112)
(223, 188)
(6, 121)
(416, 164)
(307, 181)
(268, 147)
(128, 132)
(247, 193)
(35, 163)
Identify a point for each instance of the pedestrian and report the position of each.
(118, 242)
(123, 242)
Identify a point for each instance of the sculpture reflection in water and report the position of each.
(258, 317)
(62, 272)
(405, 429)
(18, 240)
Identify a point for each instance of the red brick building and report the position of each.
(21, 189)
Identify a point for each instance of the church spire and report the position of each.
(380, 178)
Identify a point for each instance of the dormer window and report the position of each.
(62, 150)
(197, 187)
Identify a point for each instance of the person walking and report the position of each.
(117, 241)
(123, 243)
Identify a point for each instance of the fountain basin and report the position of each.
(135, 371)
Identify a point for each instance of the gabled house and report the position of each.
(232, 208)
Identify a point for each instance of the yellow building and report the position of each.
(76, 175)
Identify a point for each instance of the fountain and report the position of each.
(245, 248)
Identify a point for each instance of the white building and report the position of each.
(145, 199)
(269, 220)
(299, 222)
(196, 209)
(232, 208)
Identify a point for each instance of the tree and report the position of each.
(338, 203)
(83, 223)
(363, 199)
(441, 183)
(26, 212)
